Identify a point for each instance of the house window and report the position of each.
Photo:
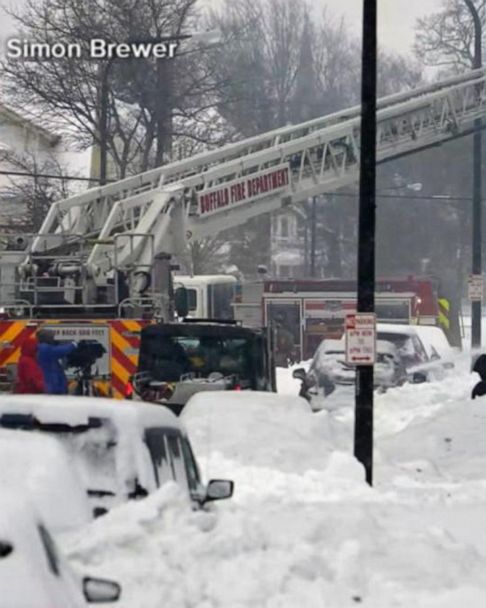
(284, 227)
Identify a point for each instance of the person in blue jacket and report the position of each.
(49, 354)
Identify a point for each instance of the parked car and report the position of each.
(40, 465)
(329, 368)
(33, 573)
(121, 449)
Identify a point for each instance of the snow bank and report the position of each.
(303, 529)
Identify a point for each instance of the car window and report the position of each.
(177, 461)
(192, 470)
(156, 440)
(419, 348)
(50, 550)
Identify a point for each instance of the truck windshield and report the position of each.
(167, 358)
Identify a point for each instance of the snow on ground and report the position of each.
(303, 528)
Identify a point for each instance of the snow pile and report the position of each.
(303, 529)
(283, 447)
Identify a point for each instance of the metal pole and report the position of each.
(363, 431)
(477, 161)
(313, 239)
(103, 130)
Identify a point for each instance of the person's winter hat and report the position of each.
(46, 336)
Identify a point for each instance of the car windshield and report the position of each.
(167, 358)
(91, 448)
(93, 452)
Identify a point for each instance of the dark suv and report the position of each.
(179, 359)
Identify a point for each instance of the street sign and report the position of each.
(475, 287)
(360, 338)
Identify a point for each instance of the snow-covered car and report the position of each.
(329, 368)
(33, 573)
(423, 363)
(40, 465)
(121, 449)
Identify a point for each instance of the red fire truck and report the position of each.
(313, 309)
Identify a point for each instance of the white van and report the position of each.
(121, 449)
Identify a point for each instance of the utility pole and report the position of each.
(363, 430)
(313, 239)
(476, 306)
(103, 128)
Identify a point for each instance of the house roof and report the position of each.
(16, 118)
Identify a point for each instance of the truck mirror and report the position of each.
(181, 302)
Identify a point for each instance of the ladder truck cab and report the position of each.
(179, 359)
(101, 261)
(208, 296)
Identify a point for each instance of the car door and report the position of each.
(63, 583)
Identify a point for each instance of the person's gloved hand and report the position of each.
(479, 390)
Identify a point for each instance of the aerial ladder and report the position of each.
(106, 253)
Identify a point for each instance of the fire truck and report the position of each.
(313, 309)
(100, 266)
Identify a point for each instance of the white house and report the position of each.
(22, 138)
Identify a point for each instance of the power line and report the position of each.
(433, 197)
(49, 176)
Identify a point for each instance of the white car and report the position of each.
(40, 465)
(33, 574)
(121, 449)
(329, 368)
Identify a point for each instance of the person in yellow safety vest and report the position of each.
(444, 314)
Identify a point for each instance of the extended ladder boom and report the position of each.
(160, 211)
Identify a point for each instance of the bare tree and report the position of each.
(146, 101)
(33, 194)
(445, 39)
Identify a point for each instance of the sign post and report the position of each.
(363, 426)
(475, 287)
(361, 339)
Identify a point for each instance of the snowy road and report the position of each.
(303, 529)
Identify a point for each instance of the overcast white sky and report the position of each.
(396, 18)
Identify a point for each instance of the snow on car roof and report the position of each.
(339, 346)
(77, 410)
(433, 336)
(39, 464)
(397, 328)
